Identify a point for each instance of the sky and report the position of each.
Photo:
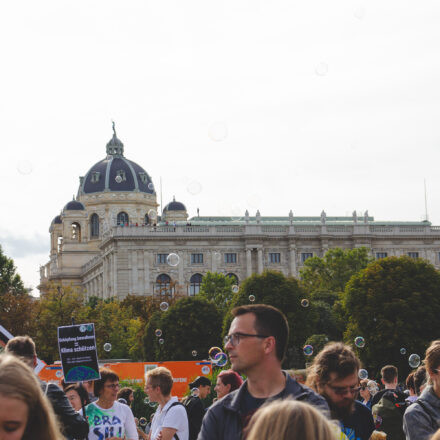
(235, 104)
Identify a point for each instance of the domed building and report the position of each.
(110, 240)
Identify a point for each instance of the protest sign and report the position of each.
(77, 346)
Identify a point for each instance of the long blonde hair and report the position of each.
(18, 381)
(290, 420)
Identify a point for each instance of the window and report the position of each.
(95, 176)
(163, 285)
(234, 277)
(76, 232)
(305, 255)
(122, 219)
(196, 258)
(231, 258)
(194, 284)
(94, 225)
(413, 254)
(162, 258)
(274, 257)
(146, 219)
(120, 176)
(143, 177)
(380, 255)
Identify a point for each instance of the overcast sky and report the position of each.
(236, 104)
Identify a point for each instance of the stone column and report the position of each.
(260, 260)
(115, 274)
(293, 261)
(130, 285)
(104, 277)
(147, 273)
(248, 262)
(134, 272)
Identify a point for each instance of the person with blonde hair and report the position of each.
(25, 413)
(291, 420)
(422, 419)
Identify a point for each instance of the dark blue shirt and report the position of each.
(360, 424)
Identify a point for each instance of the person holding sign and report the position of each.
(109, 419)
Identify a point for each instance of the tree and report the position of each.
(17, 313)
(192, 324)
(393, 303)
(284, 293)
(332, 272)
(10, 281)
(217, 288)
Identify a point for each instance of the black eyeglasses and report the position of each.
(234, 338)
(341, 391)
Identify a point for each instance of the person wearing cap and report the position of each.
(195, 409)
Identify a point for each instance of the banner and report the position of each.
(77, 347)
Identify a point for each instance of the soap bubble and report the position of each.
(82, 328)
(220, 359)
(194, 353)
(321, 69)
(151, 186)
(158, 332)
(164, 306)
(213, 351)
(414, 360)
(161, 341)
(195, 392)
(147, 400)
(218, 131)
(194, 188)
(173, 260)
(403, 350)
(143, 422)
(118, 179)
(308, 350)
(251, 298)
(359, 342)
(363, 374)
(107, 346)
(24, 167)
(305, 302)
(153, 404)
(235, 289)
(152, 215)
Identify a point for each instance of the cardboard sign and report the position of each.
(77, 346)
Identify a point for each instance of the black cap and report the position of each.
(200, 381)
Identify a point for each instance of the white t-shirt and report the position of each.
(116, 421)
(167, 417)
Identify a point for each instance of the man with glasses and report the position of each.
(256, 344)
(334, 375)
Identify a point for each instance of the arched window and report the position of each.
(94, 225)
(163, 285)
(194, 284)
(76, 232)
(146, 219)
(122, 219)
(234, 277)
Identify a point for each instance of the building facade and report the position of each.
(110, 240)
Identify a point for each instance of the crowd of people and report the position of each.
(333, 404)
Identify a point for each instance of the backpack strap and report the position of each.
(166, 412)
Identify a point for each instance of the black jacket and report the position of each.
(73, 424)
(195, 411)
(223, 419)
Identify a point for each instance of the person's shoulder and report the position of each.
(304, 393)
(360, 408)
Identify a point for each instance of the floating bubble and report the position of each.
(147, 400)
(235, 289)
(359, 341)
(107, 346)
(213, 351)
(164, 306)
(82, 328)
(308, 350)
(403, 350)
(194, 188)
(195, 392)
(305, 302)
(151, 186)
(143, 422)
(220, 359)
(363, 374)
(59, 373)
(161, 341)
(321, 69)
(152, 215)
(414, 360)
(118, 179)
(194, 353)
(218, 131)
(251, 298)
(158, 332)
(173, 260)
(24, 167)
(153, 404)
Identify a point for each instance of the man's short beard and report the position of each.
(339, 412)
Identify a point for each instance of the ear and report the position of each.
(270, 345)
(383, 383)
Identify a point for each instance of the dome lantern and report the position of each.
(115, 147)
